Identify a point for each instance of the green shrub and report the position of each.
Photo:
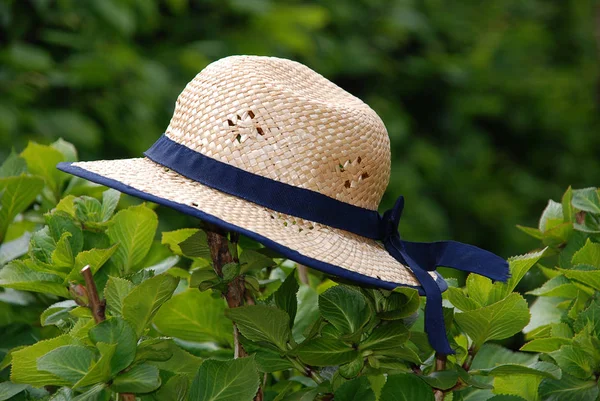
(152, 334)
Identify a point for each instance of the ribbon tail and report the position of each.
(435, 326)
(458, 256)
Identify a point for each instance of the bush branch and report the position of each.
(223, 251)
(235, 293)
(98, 308)
(96, 305)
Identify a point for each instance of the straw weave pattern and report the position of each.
(279, 119)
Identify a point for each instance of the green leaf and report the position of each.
(285, 297)
(21, 275)
(406, 387)
(66, 148)
(61, 222)
(568, 388)
(308, 311)
(262, 323)
(558, 235)
(194, 316)
(67, 205)
(142, 378)
(506, 397)
(406, 352)
(88, 210)
(42, 245)
(325, 352)
(585, 274)
(519, 266)
(495, 322)
(545, 344)
(13, 165)
(62, 256)
(16, 194)
(479, 289)
(588, 342)
(574, 361)
(69, 362)
(181, 361)
(96, 393)
(62, 394)
(82, 328)
(561, 330)
(175, 389)
(195, 246)
(543, 369)
(543, 311)
(344, 308)
(551, 217)
(587, 199)
(95, 258)
(589, 224)
(10, 250)
(352, 368)
(533, 232)
(589, 317)
(230, 271)
(57, 312)
(358, 389)
(153, 349)
(482, 291)
(305, 394)
(589, 254)
(491, 355)
(269, 361)
(100, 372)
(115, 291)
(558, 286)
(120, 333)
(253, 260)
(173, 238)
(386, 336)
(225, 381)
(8, 390)
(134, 229)
(142, 303)
(527, 388)
(42, 160)
(24, 366)
(460, 300)
(443, 379)
(205, 279)
(399, 304)
(110, 201)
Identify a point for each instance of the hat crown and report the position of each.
(279, 119)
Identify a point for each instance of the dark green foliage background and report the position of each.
(492, 107)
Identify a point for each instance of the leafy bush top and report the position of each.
(307, 336)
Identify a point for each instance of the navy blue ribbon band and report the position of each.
(422, 258)
(279, 196)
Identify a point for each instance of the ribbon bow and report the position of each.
(423, 258)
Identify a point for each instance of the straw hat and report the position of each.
(267, 124)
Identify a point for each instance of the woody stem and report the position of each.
(98, 309)
(235, 293)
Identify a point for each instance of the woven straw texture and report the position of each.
(278, 119)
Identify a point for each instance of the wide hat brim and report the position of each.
(330, 250)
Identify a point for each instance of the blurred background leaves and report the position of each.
(492, 107)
